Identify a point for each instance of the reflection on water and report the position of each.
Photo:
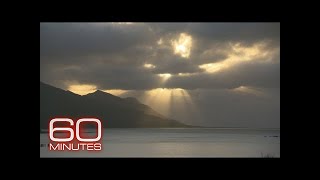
(180, 142)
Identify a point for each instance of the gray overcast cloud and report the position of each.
(212, 62)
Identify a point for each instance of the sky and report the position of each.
(206, 74)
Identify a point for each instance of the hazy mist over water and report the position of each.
(180, 142)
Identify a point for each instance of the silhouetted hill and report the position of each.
(115, 112)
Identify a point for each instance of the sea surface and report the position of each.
(179, 142)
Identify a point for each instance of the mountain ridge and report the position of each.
(114, 111)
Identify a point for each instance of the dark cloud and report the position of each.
(70, 40)
(112, 55)
(246, 32)
(259, 77)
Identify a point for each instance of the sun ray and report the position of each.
(170, 101)
(164, 77)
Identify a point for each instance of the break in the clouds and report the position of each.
(114, 55)
(143, 57)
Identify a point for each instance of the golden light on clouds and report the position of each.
(186, 74)
(238, 54)
(82, 89)
(182, 45)
(165, 76)
(249, 53)
(115, 92)
(149, 66)
(248, 90)
(214, 67)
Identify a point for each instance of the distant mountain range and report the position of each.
(113, 111)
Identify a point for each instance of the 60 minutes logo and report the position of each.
(75, 140)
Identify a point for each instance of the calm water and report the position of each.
(180, 142)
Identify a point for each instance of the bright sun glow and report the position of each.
(165, 76)
(82, 89)
(186, 74)
(149, 66)
(182, 46)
